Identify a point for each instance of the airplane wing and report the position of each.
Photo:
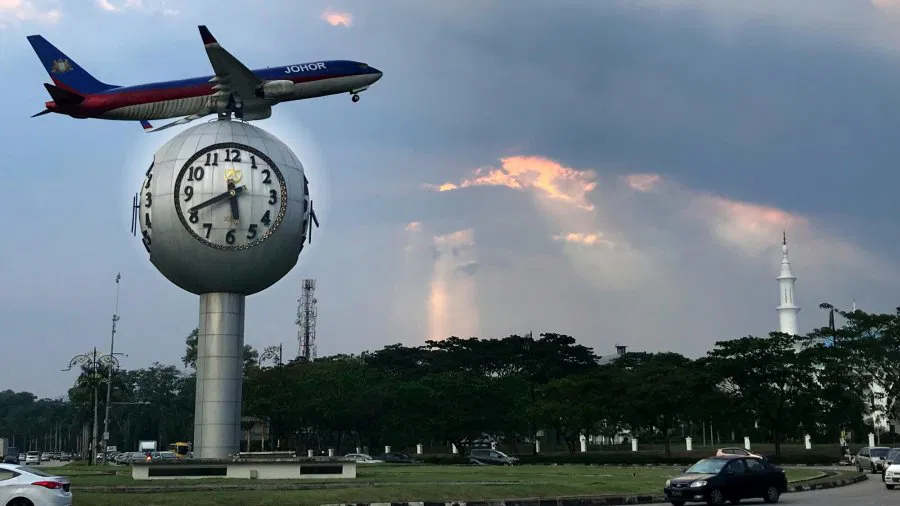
(231, 74)
(187, 119)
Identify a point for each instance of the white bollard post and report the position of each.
(634, 444)
(537, 446)
(331, 452)
(583, 440)
(871, 439)
(806, 440)
(310, 453)
(688, 444)
(419, 449)
(747, 443)
(493, 445)
(358, 450)
(454, 449)
(387, 449)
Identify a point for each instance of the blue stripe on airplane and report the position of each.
(332, 68)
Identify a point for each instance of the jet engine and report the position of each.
(275, 89)
(257, 113)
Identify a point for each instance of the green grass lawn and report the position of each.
(387, 483)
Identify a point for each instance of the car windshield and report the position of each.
(707, 466)
(879, 452)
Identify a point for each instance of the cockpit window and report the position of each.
(363, 66)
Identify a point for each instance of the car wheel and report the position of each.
(677, 503)
(772, 495)
(716, 497)
(21, 501)
(858, 468)
(889, 487)
(873, 469)
(735, 501)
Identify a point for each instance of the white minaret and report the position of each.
(787, 311)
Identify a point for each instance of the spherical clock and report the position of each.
(225, 207)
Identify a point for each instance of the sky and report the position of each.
(619, 171)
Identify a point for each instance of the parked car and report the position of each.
(721, 452)
(724, 478)
(23, 485)
(362, 458)
(32, 458)
(398, 458)
(871, 458)
(488, 457)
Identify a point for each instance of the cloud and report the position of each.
(642, 182)
(886, 4)
(548, 178)
(585, 239)
(143, 6)
(413, 226)
(452, 305)
(337, 18)
(17, 11)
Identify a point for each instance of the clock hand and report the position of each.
(230, 193)
(235, 216)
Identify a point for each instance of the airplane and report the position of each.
(234, 89)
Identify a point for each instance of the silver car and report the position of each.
(23, 485)
(872, 458)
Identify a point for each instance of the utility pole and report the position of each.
(112, 344)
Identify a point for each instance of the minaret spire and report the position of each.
(787, 310)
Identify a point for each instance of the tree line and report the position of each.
(463, 391)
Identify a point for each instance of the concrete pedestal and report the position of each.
(220, 363)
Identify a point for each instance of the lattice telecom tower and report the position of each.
(306, 320)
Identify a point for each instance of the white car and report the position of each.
(32, 458)
(892, 476)
(362, 458)
(23, 485)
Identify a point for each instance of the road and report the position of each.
(868, 493)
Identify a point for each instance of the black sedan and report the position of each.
(727, 478)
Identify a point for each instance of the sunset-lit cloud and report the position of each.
(585, 239)
(886, 4)
(13, 11)
(337, 18)
(452, 308)
(748, 227)
(642, 182)
(548, 178)
(146, 6)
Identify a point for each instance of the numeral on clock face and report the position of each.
(230, 196)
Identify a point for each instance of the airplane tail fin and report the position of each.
(64, 71)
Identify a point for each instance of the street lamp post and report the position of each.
(112, 344)
(273, 353)
(92, 362)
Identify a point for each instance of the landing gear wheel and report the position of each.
(772, 495)
(716, 498)
(355, 98)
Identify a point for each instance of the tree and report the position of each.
(768, 376)
(661, 387)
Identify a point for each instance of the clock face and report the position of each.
(230, 196)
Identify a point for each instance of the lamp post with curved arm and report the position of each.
(272, 353)
(92, 362)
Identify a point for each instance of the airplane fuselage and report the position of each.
(199, 95)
